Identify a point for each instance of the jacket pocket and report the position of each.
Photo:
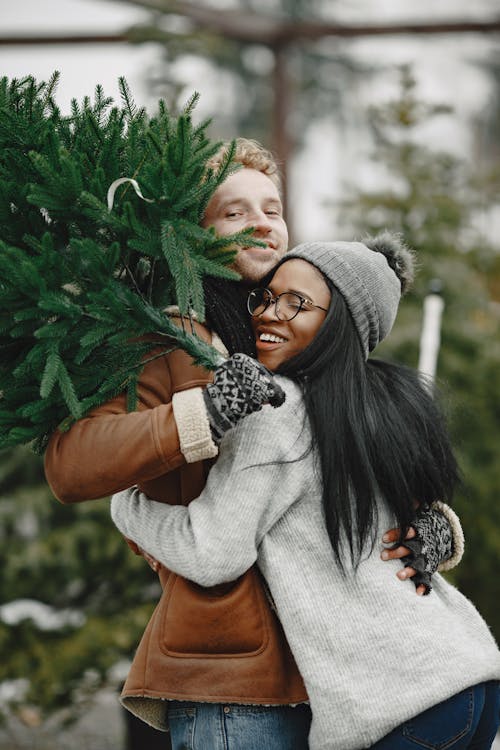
(229, 621)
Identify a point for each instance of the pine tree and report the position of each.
(99, 233)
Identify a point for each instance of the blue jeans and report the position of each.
(466, 720)
(215, 726)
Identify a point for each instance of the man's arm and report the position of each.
(112, 449)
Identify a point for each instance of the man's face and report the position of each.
(249, 198)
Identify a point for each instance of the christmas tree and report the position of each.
(99, 232)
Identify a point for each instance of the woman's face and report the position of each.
(280, 340)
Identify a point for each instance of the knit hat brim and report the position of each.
(363, 277)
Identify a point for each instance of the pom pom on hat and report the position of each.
(370, 275)
(399, 257)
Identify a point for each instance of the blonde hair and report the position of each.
(252, 155)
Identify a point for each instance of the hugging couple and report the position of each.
(265, 497)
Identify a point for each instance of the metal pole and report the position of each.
(430, 337)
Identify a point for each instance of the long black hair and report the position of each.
(376, 431)
(226, 313)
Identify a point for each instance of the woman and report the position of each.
(306, 489)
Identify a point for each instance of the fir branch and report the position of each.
(82, 288)
(50, 373)
(68, 392)
(191, 104)
(127, 99)
(51, 88)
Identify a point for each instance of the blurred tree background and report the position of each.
(98, 595)
(435, 200)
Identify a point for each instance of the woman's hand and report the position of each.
(398, 553)
(151, 561)
(434, 542)
(241, 386)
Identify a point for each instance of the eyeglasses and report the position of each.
(287, 304)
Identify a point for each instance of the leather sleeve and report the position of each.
(112, 449)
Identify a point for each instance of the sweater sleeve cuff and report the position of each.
(458, 536)
(193, 426)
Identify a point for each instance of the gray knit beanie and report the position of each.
(370, 275)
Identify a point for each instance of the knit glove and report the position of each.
(241, 386)
(438, 539)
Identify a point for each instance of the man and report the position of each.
(222, 645)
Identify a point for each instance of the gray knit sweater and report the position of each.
(371, 652)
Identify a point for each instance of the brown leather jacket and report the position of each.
(218, 645)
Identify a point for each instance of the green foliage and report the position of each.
(432, 198)
(82, 286)
(72, 559)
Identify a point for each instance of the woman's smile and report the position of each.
(267, 337)
(279, 340)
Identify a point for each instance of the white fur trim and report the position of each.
(217, 344)
(458, 536)
(193, 426)
(153, 711)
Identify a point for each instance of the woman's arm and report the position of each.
(215, 539)
(187, 542)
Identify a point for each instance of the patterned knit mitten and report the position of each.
(432, 545)
(241, 386)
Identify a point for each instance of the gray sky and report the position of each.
(83, 66)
